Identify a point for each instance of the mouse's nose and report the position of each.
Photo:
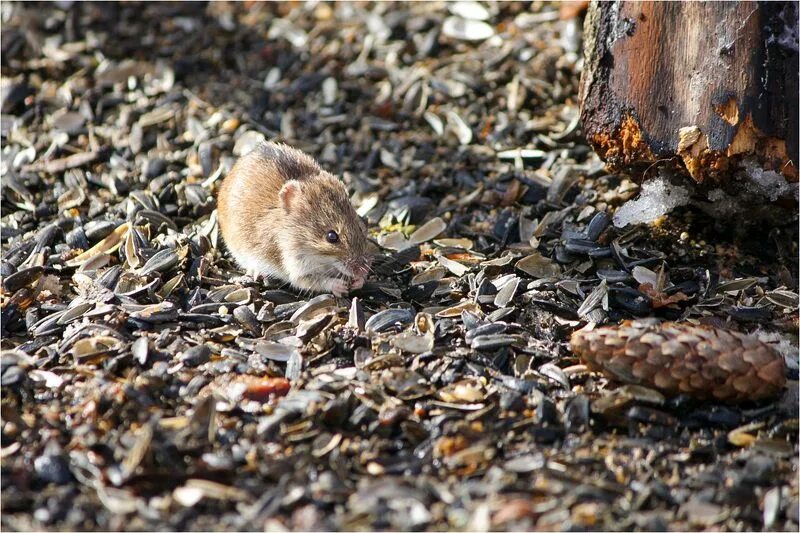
(359, 268)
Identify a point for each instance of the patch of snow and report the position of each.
(767, 183)
(657, 198)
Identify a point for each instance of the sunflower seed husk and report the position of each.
(428, 231)
(389, 318)
(539, 266)
(466, 29)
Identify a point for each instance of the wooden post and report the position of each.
(703, 84)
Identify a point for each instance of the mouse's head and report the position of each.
(328, 239)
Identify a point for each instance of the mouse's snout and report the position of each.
(359, 267)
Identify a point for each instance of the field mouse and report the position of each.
(283, 216)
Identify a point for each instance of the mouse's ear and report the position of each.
(289, 194)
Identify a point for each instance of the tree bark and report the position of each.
(701, 84)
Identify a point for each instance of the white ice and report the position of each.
(767, 183)
(657, 198)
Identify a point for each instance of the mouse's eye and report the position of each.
(332, 237)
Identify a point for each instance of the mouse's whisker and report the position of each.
(333, 273)
(329, 272)
(343, 272)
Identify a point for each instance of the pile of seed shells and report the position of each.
(149, 384)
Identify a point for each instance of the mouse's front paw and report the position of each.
(356, 284)
(337, 286)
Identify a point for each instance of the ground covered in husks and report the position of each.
(148, 384)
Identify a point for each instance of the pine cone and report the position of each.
(704, 362)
